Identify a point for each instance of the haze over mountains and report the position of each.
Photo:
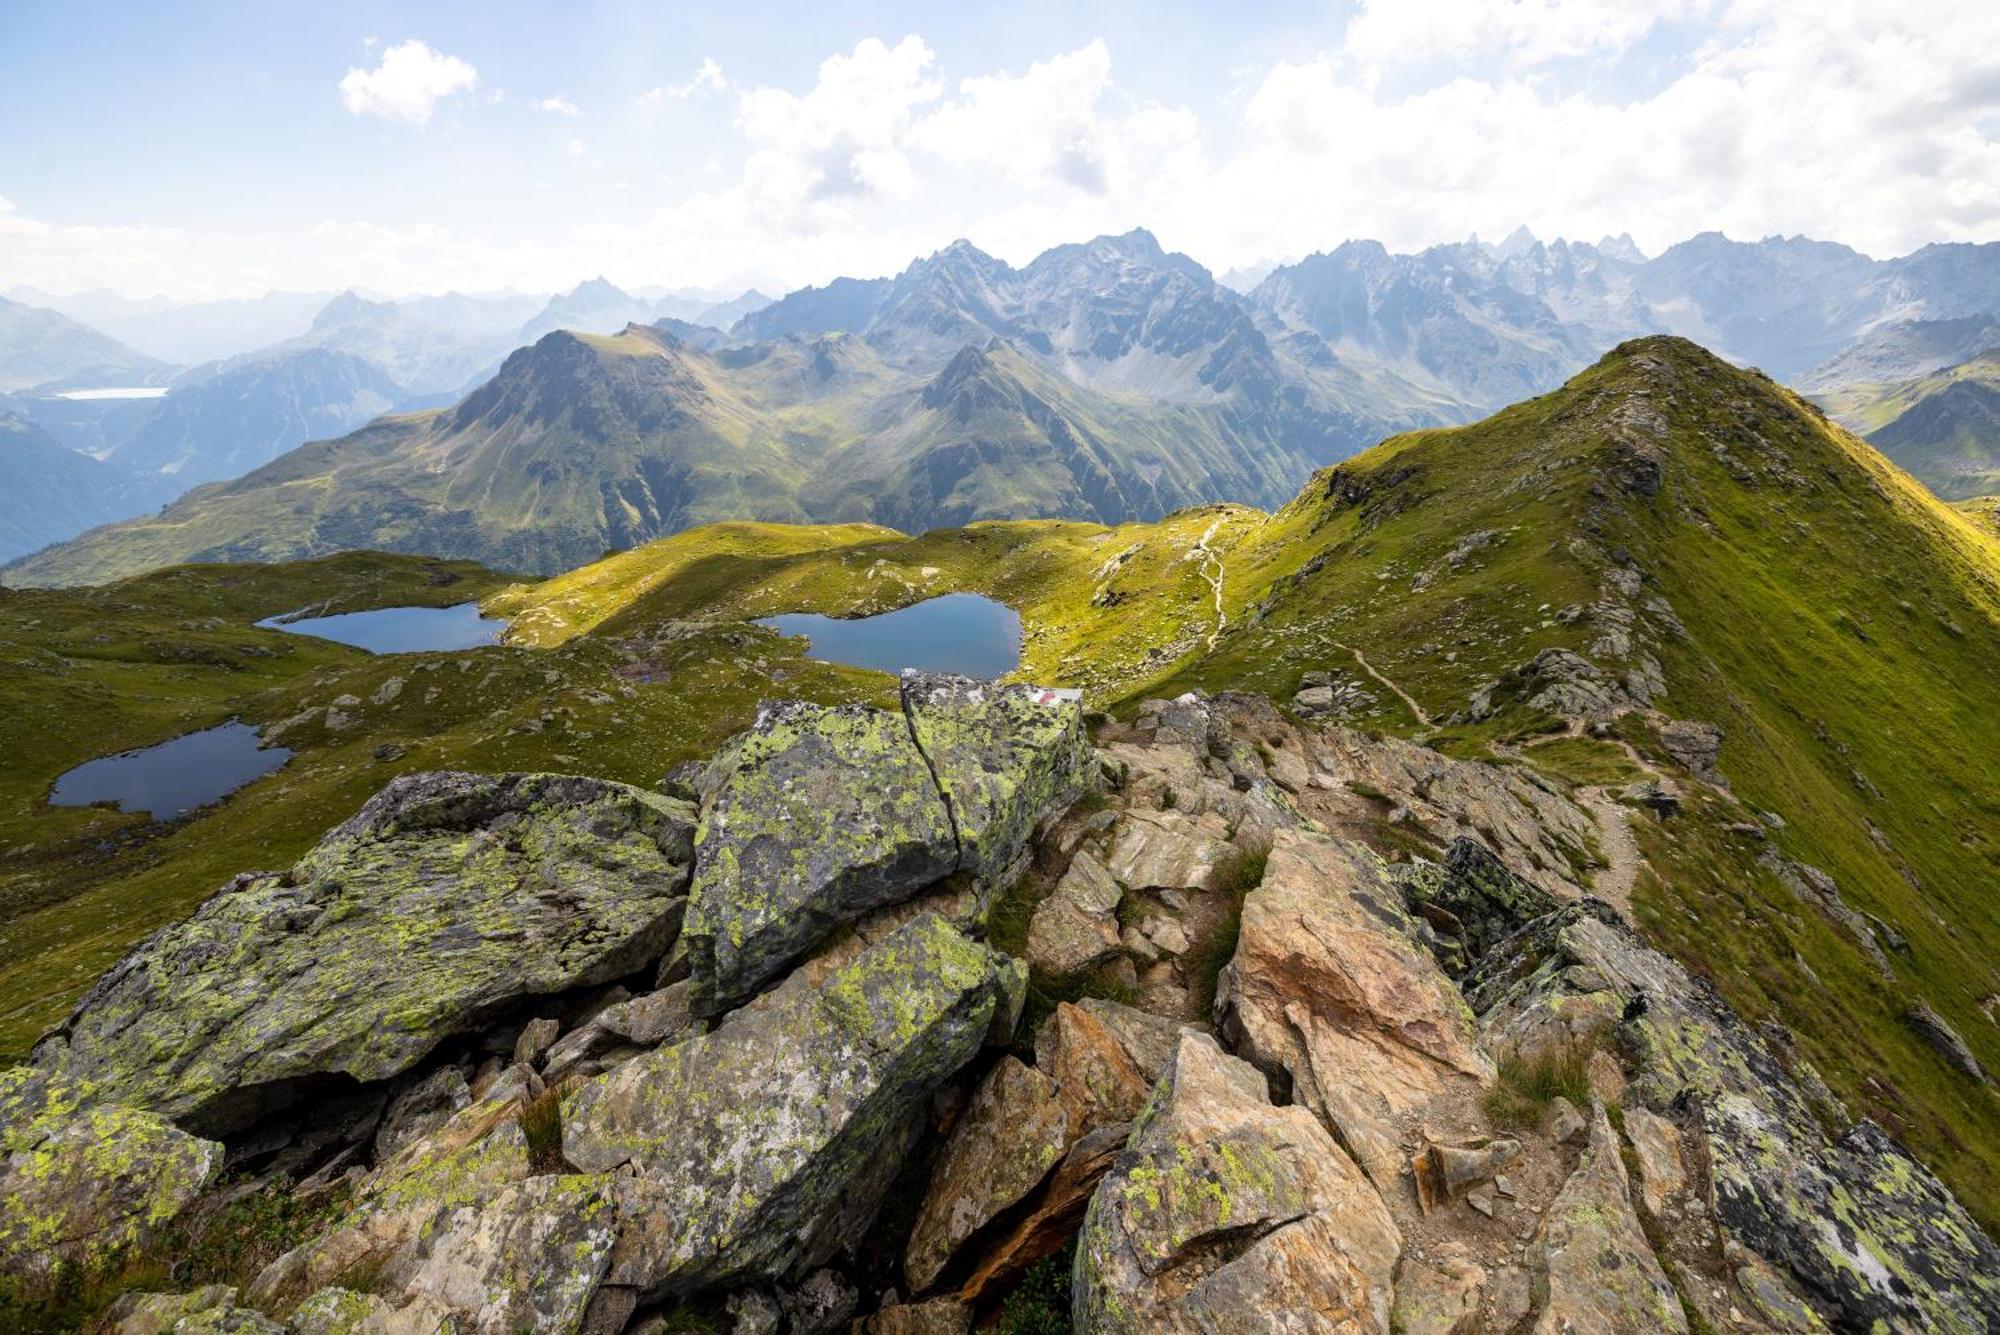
(1105, 380)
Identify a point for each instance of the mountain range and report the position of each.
(1134, 382)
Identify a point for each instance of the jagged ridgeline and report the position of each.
(1534, 879)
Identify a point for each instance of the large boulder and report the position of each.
(1863, 1230)
(447, 899)
(1330, 986)
(755, 1152)
(213, 1310)
(1223, 1205)
(1004, 756)
(821, 816)
(80, 1184)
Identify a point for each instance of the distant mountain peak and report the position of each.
(598, 289)
(348, 307)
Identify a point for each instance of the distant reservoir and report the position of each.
(174, 777)
(399, 630)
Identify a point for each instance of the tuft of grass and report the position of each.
(1013, 909)
(1168, 797)
(1526, 1087)
(1235, 877)
(542, 1125)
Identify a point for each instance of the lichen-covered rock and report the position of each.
(445, 899)
(1330, 986)
(1863, 1230)
(1481, 901)
(79, 1183)
(1602, 1275)
(757, 1151)
(1013, 1131)
(939, 1316)
(1076, 925)
(1104, 1058)
(1004, 756)
(824, 814)
(338, 1311)
(213, 1310)
(1223, 1205)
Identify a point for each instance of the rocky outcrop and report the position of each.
(1076, 927)
(213, 1310)
(1330, 986)
(79, 1185)
(1863, 1230)
(1602, 1274)
(407, 924)
(758, 1150)
(1223, 1205)
(819, 815)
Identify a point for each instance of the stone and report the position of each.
(1601, 1274)
(939, 1316)
(1484, 900)
(652, 1018)
(1851, 1221)
(535, 1038)
(575, 1049)
(824, 815)
(338, 1311)
(1222, 1205)
(1438, 1297)
(757, 1151)
(1052, 1219)
(1693, 745)
(1151, 849)
(81, 1183)
(1555, 681)
(420, 1108)
(1656, 1145)
(1932, 1028)
(1330, 987)
(213, 1310)
(404, 926)
(754, 1312)
(1013, 1131)
(1444, 1173)
(1076, 926)
(1104, 1058)
(1006, 757)
(820, 1305)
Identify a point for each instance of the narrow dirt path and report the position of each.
(1213, 570)
(1401, 694)
(1614, 881)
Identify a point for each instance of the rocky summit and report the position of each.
(531, 1052)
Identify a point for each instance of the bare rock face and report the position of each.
(1330, 986)
(1076, 926)
(757, 1150)
(446, 898)
(1104, 1059)
(79, 1186)
(1862, 1230)
(824, 815)
(818, 816)
(1013, 1132)
(1602, 1274)
(1223, 1205)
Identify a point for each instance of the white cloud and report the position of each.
(709, 77)
(558, 106)
(1522, 32)
(576, 148)
(406, 84)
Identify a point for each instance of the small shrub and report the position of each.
(1039, 1304)
(1527, 1085)
(1168, 797)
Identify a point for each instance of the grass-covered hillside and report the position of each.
(1943, 428)
(1709, 545)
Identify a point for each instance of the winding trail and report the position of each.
(1210, 558)
(1401, 694)
(1622, 860)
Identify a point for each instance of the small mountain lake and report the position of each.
(959, 632)
(399, 630)
(174, 777)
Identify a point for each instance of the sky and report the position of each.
(206, 150)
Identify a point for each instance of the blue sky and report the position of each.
(223, 149)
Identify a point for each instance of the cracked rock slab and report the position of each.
(447, 898)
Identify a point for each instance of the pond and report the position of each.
(174, 777)
(960, 632)
(399, 630)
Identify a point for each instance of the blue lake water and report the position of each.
(960, 632)
(400, 630)
(174, 777)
